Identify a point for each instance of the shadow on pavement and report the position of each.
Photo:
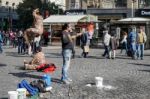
(123, 57)
(139, 64)
(56, 80)
(4, 98)
(53, 55)
(145, 70)
(25, 74)
(1, 64)
(15, 54)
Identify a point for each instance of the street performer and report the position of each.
(36, 30)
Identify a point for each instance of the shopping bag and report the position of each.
(86, 48)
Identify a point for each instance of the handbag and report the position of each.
(86, 48)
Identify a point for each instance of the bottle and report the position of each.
(47, 79)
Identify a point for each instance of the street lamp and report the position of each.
(132, 9)
(0, 2)
(13, 5)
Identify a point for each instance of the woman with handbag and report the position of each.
(85, 41)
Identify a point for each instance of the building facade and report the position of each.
(8, 15)
(110, 9)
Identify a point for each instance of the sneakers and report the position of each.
(67, 81)
(70, 80)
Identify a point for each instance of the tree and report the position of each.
(25, 9)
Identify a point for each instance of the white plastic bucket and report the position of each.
(99, 81)
(21, 93)
(13, 95)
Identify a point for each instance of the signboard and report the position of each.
(144, 12)
(75, 12)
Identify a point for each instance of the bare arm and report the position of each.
(74, 36)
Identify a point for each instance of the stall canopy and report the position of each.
(135, 19)
(60, 19)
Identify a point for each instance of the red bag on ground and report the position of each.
(46, 67)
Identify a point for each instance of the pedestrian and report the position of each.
(20, 41)
(1, 42)
(73, 43)
(141, 39)
(85, 42)
(132, 42)
(36, 43)
(106, 42)
(67, 45)
(113, 46)
(124, 42)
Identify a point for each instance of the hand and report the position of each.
(79, 34)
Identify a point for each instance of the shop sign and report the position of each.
(75, 12)
(144, 12)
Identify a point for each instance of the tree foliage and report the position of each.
(25, 9)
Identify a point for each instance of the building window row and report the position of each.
(106, 3)
(144, 3)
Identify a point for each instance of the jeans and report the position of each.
(20, 46)
(133, 49)
(106, 52)
(1, 50)
(124, 46)
(66, 53)
(140, 50)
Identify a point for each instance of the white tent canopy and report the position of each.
(58, 19)
(135, 19)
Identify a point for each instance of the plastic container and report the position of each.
(21, 93)
(13, 95)
(99, 81)
(47, 79)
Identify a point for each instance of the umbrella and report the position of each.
(135, 19)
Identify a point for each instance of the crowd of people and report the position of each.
(15, 39)
(133, 43)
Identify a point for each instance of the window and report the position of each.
(72, 4)
(106, 3)
(120, 3)
(144, 3)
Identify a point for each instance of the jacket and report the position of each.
(106, 39)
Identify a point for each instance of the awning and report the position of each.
(60, 19)
(135, 19)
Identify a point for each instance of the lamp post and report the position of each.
(42, 2)
(132, 8)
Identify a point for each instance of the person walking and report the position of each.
(20, 41)
(106, 42)
(113, 47)
(67, 45)
(85, 42)
(124, 43)
(132, 42)
(1, 42)
(141, 39)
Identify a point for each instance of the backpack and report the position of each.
(32, 90)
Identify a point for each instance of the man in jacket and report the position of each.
(132, 41)
(141, 39)
(106, 42)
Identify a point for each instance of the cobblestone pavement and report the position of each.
(129, 78)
